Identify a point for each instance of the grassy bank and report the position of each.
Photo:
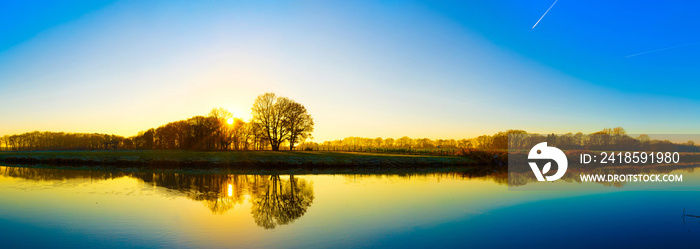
(238, 160)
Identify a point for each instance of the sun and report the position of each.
(229, 121)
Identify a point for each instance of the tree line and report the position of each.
(606, 139)
(276, 121)
(281, 121)
(484, 142)
(63, 141)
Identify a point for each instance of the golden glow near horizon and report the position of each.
(355, 84)
(229, 121)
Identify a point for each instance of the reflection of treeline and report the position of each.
(275, 200)
(498, 176)
(574, 175)
(42, 174)
(276, 121)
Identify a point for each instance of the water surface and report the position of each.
(61, 207)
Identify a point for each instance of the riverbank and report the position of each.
(245, 161)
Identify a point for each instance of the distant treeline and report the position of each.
(281, 121)
(606, 139)
(276, 121)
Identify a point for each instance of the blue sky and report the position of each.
(374, 69)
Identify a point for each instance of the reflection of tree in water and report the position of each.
(211, 190)
(275, 200)
(499, 176)
(42, 174)
(279, 202)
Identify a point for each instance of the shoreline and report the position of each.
(246, 162)
(473, 171)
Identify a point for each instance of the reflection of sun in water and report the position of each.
(229, 121)
(230, 190)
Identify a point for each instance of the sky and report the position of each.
(435, 69)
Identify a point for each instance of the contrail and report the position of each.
(545, 13)
(662, 49)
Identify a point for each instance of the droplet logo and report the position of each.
(542, 151)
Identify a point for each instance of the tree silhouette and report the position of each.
(298, 122)
(223, 133)
(281, 119)
(267, 111)
(238, 133)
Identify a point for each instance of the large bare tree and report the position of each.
(299, 123)
(268, 112)
(281, 119)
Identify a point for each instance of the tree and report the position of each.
(224, 131)
(619, 131)
(281, 119)
(6, 141)
(298, 122)
(202, 132)
(144, 140)
(403, 142)
(378, 142)
(267, 113)
(389, 142)
(238, 133)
